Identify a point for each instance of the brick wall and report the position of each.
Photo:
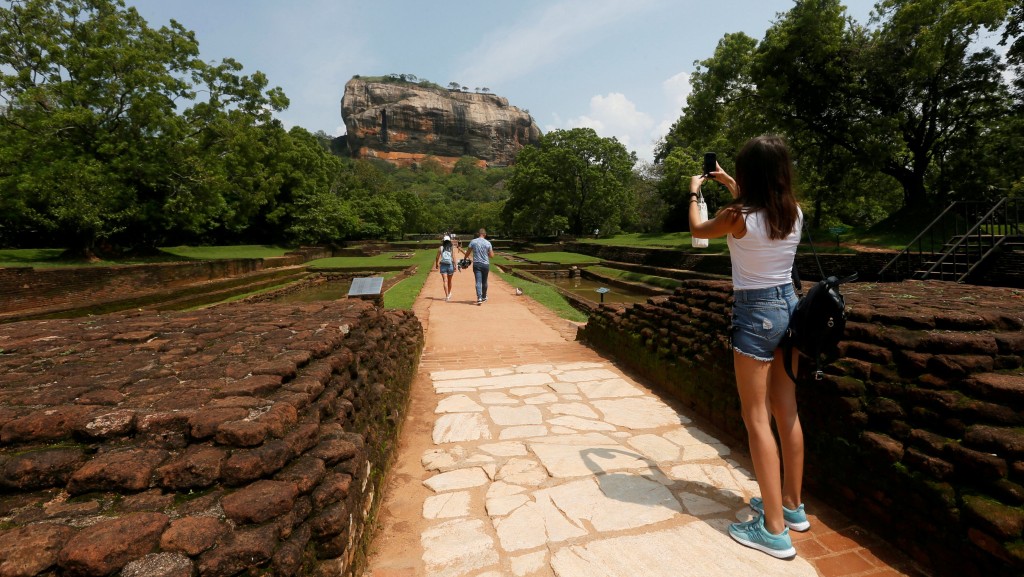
(233, 440)
(917, 430)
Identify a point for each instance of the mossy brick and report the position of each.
(998, 387)
(1005, 441)
(958, 343)
(1003, 521)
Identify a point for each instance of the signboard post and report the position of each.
(367, 288)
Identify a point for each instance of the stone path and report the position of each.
(526, 454)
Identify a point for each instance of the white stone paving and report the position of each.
(575, 470)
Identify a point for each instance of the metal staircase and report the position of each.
(958, 240)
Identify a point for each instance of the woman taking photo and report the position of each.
(762, 225)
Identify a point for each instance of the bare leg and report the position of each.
(449, 290)
(782, 397)
(444, 286)
(752, 383)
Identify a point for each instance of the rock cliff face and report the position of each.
(404, 123)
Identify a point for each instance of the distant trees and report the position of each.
(574, 181)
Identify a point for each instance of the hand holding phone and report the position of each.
(710, 163)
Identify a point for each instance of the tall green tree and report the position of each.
(93, 145)
(573, 180)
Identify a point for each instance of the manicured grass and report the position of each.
(225, 252)
(674, 240)
(545, 295)
(658, 281)
(558, 257)
(419, 257)
(30, 256)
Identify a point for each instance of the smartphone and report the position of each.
(710, 163)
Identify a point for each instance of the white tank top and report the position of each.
(759, 262)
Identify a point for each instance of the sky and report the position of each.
(621, 67)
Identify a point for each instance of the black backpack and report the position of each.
(818, 323)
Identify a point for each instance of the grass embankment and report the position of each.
(553, 257)
(544, 294)
(403, 294)
(52, 257)
(635, 277)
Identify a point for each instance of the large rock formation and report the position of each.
(404, 123)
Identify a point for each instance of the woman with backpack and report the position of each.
(445, 262)
(762, 225)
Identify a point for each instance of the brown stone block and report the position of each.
(242, 433)
(330, 520)
(198, 468)
(888, 448)
(40, 469)
(32, 549)
(128, 470)
(335, 487)
(989, 544)
(193, 535)
(204, 423)
(135, 336)
(245, 465)
(959, 343)
(281, 368)
(999, 440)
(106, 547)
(239, 551)
(48, 424)
(260, 501)
(993, 517)
(333, 451)
(100, 396)
(152, 500)
(306, 472)
(998, 387)
(975, 465)
(160, 565)
(302, 437)
(934, 467)
(238, 402)
(279, 418)
(255, 386)
(289, 556)
(162, 422)
(106, 425)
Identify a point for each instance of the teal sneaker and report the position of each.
(795, 519)
(754, 535)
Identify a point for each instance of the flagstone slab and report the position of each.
(505, 449)
(592, 374)
(700, 506)
(545, 399)
(522, 471)
(580, 424)
(693, 550)
(528, 564)
(493, 383)
(457, 548)
(639, 413)
(446, 505)
(525, 432)
(535, 368)
(656, 448)
(458, 404)
(528, 391)
(515, 416)
(575, 409)
(460, 427)
(497, 399)
(571, 460)
(457, 480)
(615, 502)
(608, 389)
(535, 524)
(575, 366)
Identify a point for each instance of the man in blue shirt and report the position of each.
(481, 250)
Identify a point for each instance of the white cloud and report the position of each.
(614, 114)
(562, 29)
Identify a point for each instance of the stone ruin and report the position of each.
(227, 441)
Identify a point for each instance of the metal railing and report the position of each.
(958, 240)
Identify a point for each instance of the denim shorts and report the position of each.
(447, 268)
(760, 318)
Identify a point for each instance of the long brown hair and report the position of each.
(764, 176)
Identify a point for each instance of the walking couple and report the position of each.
(480, 253)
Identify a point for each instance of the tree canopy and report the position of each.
(572, 181)
(908, 112)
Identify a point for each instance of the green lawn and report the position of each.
(674, 240)
(545, 295)
(556, 257)
(225, 252)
